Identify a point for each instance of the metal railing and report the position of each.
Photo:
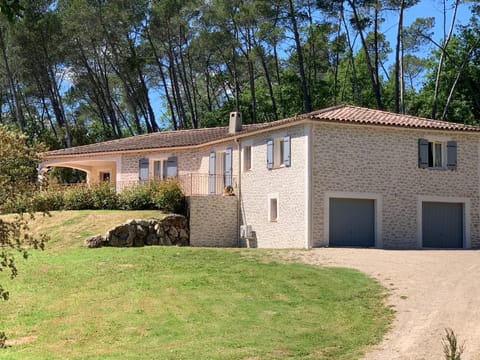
(194, 184)
(205, 184)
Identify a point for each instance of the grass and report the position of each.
(182, 303)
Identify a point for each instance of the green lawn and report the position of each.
(183, 303)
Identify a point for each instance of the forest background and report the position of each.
(82, 71)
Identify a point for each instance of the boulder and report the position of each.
(94, 241)
(171, 230)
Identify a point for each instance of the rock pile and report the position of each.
(171, 230)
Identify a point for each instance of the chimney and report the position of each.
(235, 124)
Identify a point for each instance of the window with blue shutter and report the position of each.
(143, 170)
(211, 173)
(435, 154)
(286, 151)
(452, 155)
(270, 154)
(228, 167)
(423, 153)
(172, 167)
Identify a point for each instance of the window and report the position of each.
(247, 158)
(273, 207)
(435, 154)
(220, 171)
(278, 153)
(159, 169)
(435, 150)
(104, 176)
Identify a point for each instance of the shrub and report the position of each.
(48, 200)
(104, 196)
(168, 196)
(78, 198)
(138, 197)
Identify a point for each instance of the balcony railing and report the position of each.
(195, 184)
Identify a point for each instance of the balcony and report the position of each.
(195, 184)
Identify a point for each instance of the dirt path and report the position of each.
(430, 291)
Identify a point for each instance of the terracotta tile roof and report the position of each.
(164, 139)
(359, 115)
(198, 137)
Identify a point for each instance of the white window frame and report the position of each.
(151, 168)
(278, 154)
(247, 165)
(273, 198)
(432, 152)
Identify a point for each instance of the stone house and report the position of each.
(341, 176)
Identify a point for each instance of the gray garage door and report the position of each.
(442, 225)
(352, 222)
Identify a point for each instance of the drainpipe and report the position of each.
(239, 204)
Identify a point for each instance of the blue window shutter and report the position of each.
(172, 166)
(270, 154)
(211, 173)
(143, 169)
(452, 155)
(423, 153)
(286, 151)
(228, 167)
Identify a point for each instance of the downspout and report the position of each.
(308, 187)
(239, 204)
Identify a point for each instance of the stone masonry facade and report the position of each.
(213, 221)
(194, 161)
(286, 184)
(381, 161)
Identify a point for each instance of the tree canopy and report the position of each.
(18, 162)
(81, 71)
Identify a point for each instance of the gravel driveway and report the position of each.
(430, 291)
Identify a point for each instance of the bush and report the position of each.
(104, 196)
(78, 198)
(138, 197)
(48, 200)
(168, 196)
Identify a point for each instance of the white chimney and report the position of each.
(235, 124)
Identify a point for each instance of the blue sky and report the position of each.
(426, 8)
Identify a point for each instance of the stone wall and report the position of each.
(171, 230)
(286, 184)
(383, 162)
(213, 220)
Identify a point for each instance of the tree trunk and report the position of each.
(371, 70)
(301, 67)
(13, 86)
(442, 58)
(398, 47)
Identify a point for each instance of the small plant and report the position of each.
(3, 340)
(451, 348)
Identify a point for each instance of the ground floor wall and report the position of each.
(363, 162)
(213, 221)
(273, 201)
